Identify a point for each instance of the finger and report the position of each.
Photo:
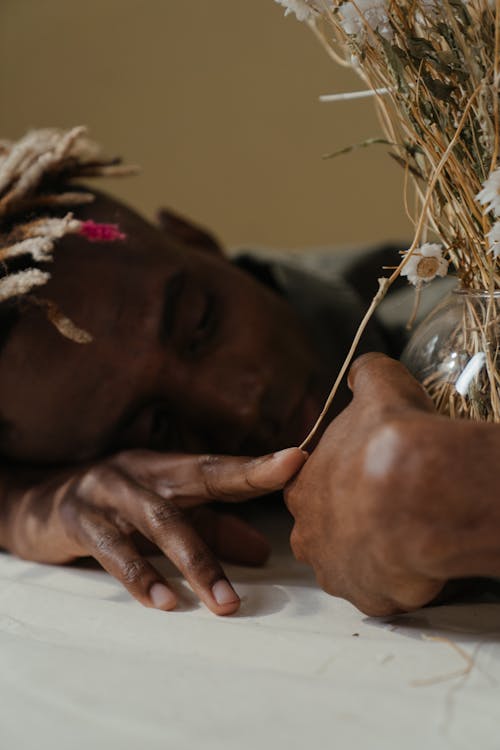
(369, 601)
(414, 593)
(163, 522)
(386, 382)
(120, 558)
(194, 479)
(375, 606)
(230, 538)
(166, 525)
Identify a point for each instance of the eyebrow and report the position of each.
(171, 295)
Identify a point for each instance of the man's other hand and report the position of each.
(396, 500)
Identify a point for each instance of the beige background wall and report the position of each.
(217, 100)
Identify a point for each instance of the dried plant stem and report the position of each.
(318, 33)
(384, 284)
(496, 75)
(438, 64)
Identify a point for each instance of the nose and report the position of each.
(241, 395)
(260, 406)
(244, 409)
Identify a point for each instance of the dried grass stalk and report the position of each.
(438, 62)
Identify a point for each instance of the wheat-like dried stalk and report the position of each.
(434, 68)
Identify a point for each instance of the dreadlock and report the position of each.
(32, 172)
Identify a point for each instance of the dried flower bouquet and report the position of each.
(433, 67)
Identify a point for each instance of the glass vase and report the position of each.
(455, 354)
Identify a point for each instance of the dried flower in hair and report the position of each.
(21, 283)
(425, 263)
(489, 196)
(27, 166)
(37, 238)
(101, 232)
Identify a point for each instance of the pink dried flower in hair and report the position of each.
(95, 232)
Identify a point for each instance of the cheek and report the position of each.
(60, 404)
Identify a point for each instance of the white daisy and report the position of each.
(428, 9)
(354, 18)
(489, 196)
(494, 240)
(301, 8)
(425, 264)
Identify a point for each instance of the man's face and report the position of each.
(189, 353)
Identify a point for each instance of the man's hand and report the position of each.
(95, 512)
(396, 500)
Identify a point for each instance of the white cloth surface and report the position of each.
(84, 666)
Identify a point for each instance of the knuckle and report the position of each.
(392, 459)
(384, 450)
(364, 364)
(69, 509)
(133, 571)
(200, 563)
(105, 540)
(94, 478)
(210, 466)
(161, 516)
(402, 442)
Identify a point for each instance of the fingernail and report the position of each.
(280, 454)
(224, 593)
(304, 453)
(162, 597)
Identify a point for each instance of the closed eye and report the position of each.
(172, 295)
(204, 325)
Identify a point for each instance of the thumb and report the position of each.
(376, 378)
(192, 479)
